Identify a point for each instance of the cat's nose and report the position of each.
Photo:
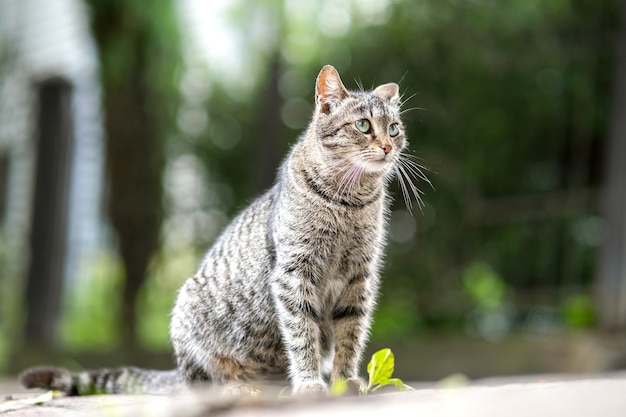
(386, 147)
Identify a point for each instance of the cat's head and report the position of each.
(358, 130)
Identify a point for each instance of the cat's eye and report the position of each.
(393, 130)
(363, 125)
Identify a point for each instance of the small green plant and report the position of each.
(380, 369)
(16, 404)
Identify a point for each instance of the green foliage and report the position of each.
(10, 309)
(167, 273)
(395, 318)
(507, 131)
(139, 54)
(90, 316)
(484, 286)
(150, 34)
(380, 369)
(578, 311)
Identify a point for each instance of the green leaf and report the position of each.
(401, 386)
(338, 387)
(380, 368)
(38, 400)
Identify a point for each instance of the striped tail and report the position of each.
(128, 380)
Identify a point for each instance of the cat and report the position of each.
(288, 289)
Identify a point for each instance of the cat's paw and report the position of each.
(311, 389)
(356, 386)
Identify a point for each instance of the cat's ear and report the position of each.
(388, 92)
(329, 90)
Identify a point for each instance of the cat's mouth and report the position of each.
(384, 158)
(379, 163)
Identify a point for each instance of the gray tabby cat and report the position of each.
(289, 287)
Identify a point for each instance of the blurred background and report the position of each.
(132, 131)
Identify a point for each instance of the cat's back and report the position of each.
(230, 281)
(243, 247)
(227, 302)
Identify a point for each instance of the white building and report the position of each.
(41, 40)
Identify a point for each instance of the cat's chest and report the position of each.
(349, 251)
(333, 290)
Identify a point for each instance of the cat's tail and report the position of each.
(127, 380)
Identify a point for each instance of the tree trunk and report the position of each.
(137, 70)
(134, 161)
(611, 291)
(48, 236)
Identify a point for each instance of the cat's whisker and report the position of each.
(341, 166)
(416, 191)
(344, 190)
(405, 192)
(344, 181)
(341, 169)
(416, 170)
(356, 179)
(414, 164)
(403, 101)
(403, 76)
(410, 159)
(342, 161)
(349, 170)
(415, 157)
(281, 261)
(359, 83)
(411, 109)
(344, 186)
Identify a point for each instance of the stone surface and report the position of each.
(598, 395)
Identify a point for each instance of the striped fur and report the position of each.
(288, 289)
(127, 380)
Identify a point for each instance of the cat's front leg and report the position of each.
(351, 321)
(299, 318)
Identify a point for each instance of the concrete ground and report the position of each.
(537, 396)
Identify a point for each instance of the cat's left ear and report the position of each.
(388, 92)
(329, 90)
